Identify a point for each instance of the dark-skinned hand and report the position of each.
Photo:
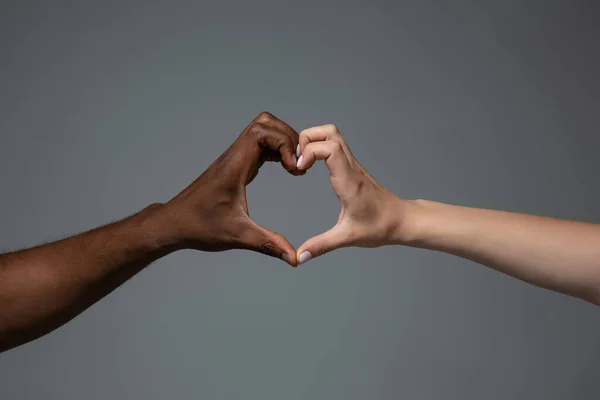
(211, 214)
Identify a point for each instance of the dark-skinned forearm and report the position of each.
(44, 287)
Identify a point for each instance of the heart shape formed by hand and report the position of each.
(371, 215)
(211, 214)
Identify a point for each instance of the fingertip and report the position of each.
(297, 172)
(288, 251)
(270, 243)
(298, 150)
(290, 164)
(290, 259)
(299, 163)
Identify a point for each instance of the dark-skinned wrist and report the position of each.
(156, 230)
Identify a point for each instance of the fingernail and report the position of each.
(298, 150)
(299, 163)
(304, 257)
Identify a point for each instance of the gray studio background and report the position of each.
(108, 106)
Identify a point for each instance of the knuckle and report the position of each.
(309, 149)
(322, 248)
(265, 117)
(269, 249)
(257, 129)
(332, 129)
(288, 144)
(303, 133)
(336, 147)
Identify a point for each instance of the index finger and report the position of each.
(323, 133)
(268, 119)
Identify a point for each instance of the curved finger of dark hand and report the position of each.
(267, 242)
(272, 139)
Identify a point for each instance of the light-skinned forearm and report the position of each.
(559, 255)
(44, 287)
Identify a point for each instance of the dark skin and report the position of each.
(44, 287)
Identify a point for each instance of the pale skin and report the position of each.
(559, 255)
(44, 287)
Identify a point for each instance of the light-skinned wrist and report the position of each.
(413, 220)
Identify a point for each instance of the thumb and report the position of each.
(316, 246)
(267, 242)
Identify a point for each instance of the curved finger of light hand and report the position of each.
(318, 134)
(331, 152)
(326, 242)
